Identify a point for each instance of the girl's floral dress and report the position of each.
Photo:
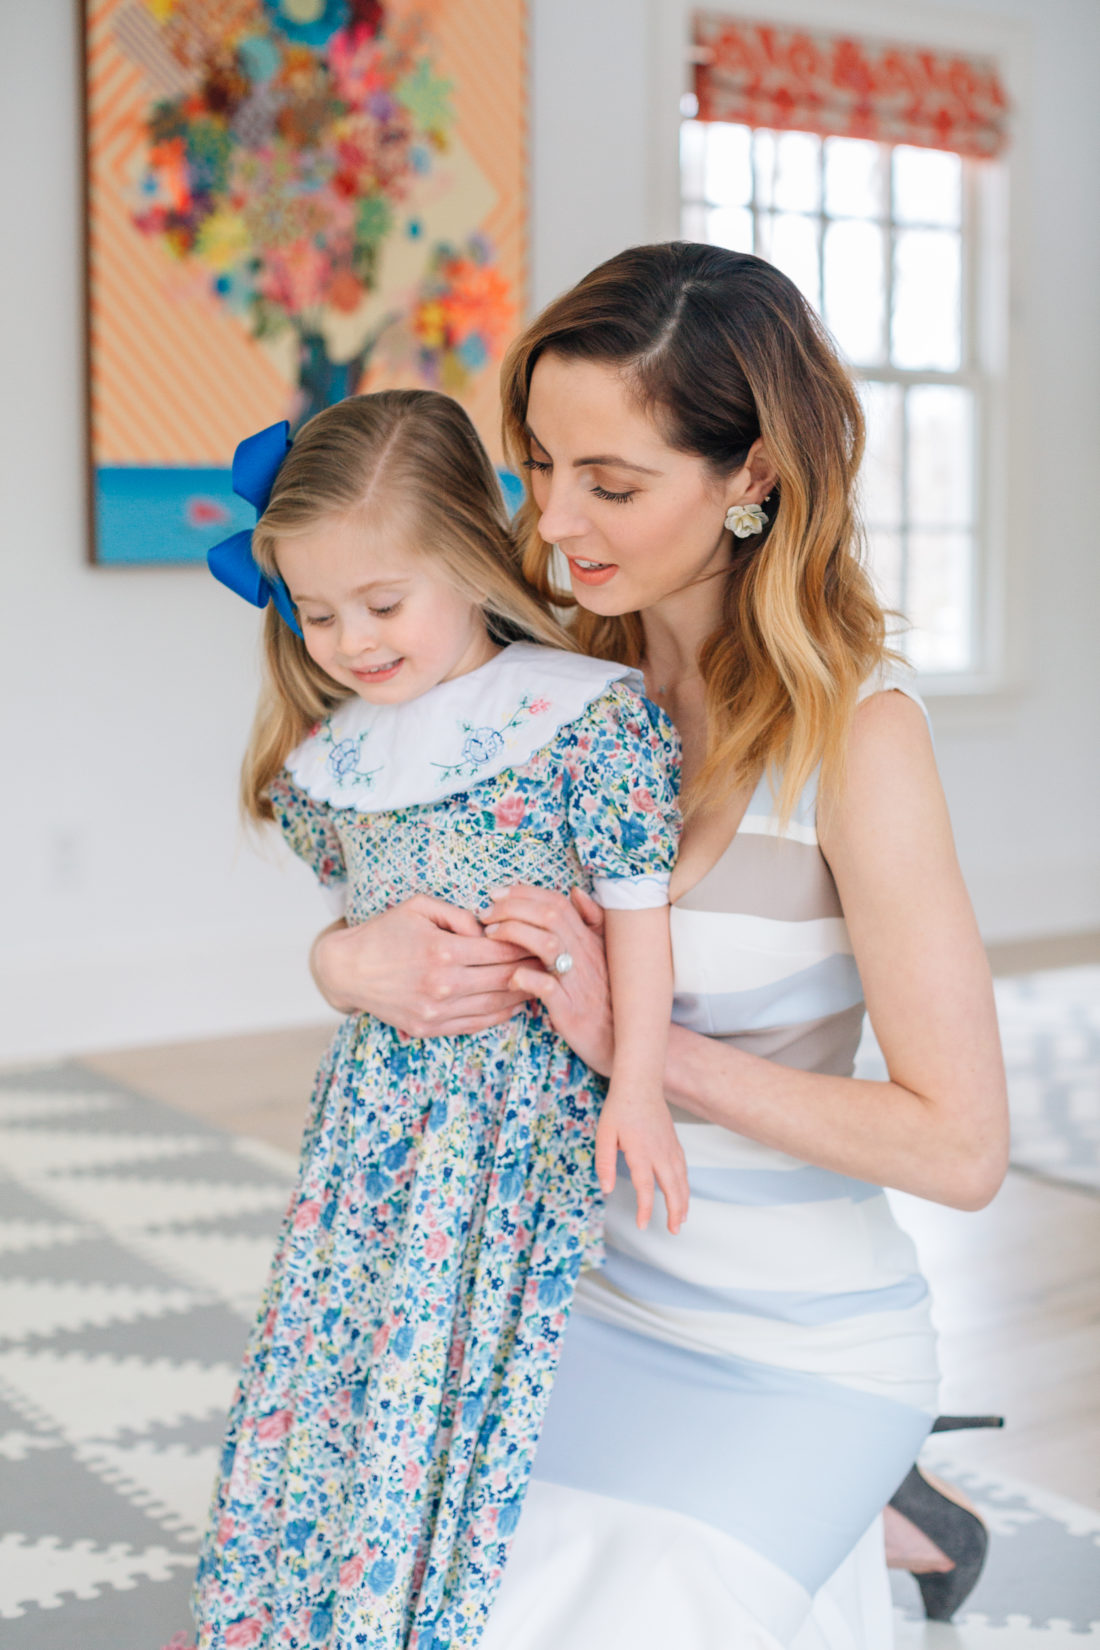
(381, 1438)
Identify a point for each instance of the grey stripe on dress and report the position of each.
(827, 1045)
(766, 876)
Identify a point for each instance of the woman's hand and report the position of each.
(424, 966)
(542, 924)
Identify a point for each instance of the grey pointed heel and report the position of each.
(956, 1531)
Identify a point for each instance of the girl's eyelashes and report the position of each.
(615, 498)
(536, 464)
(376, 612)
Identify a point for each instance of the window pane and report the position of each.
(693, 221)
(854, 178)
(938, 600)
(880, 476)
(940, 418)
(927, 186)
(855, 288)
(884, 566)
(790, 242)
(788, 172)
(693, 148)
(728, 165)
(927, 325)
(729, 226)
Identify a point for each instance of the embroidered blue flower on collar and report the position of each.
(482, 745)
(255, 466)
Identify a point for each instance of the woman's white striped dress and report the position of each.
(735, 1405)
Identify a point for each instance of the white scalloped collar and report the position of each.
(375, 757)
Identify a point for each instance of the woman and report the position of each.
(735, 1404)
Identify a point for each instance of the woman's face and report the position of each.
(636, 520)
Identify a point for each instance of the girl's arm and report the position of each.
(939, 1127)
(635, 1118)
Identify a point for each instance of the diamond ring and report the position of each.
(563, 962)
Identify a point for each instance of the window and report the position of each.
(881, 238)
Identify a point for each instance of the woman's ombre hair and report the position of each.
(722, 349)
(405, 458)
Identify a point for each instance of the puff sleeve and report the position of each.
(310, 830)
(622, 774)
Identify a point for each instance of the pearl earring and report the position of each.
(745, 519)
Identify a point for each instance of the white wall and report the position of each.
(132, 910)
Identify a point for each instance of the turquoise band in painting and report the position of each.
(166, 516)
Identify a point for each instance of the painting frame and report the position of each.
(186, 351)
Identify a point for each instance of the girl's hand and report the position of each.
(645, 1134)
(424, 966)
(543, 923)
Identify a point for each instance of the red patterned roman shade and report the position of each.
(759, 74)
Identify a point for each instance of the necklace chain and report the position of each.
(666, 687)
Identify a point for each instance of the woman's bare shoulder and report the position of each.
(890, 800)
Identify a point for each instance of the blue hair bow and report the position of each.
(255, 466)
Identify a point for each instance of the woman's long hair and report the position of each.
(410, 456)
(723, 349)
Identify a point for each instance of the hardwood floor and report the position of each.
(257, 1084)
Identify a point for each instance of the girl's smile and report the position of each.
(379, 673)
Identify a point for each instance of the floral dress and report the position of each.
(381, 1438)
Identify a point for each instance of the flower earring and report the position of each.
(745, 519)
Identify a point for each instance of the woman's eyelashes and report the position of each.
(543, 466)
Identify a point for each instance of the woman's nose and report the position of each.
(562, 516)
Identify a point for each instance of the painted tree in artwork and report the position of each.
(292, 148)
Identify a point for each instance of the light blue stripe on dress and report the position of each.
(755, 1187)
(659, 1288)
(786, 1462)
(812, 993)
(762, 803)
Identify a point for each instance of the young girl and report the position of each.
(426, 728)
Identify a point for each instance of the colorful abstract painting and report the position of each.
(287, 201)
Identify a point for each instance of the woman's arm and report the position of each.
(424, 966)
(939, 1127)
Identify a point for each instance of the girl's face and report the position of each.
(637, 521)
(378, 618)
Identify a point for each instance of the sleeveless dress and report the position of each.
(381, 1438)
(734, 1406)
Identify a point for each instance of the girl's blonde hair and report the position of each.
(409, 455)
(723, 349)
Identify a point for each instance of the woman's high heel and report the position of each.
(966, 1423)
(957, 1531)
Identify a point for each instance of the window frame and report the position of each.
(970, 374)
(996, 285)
